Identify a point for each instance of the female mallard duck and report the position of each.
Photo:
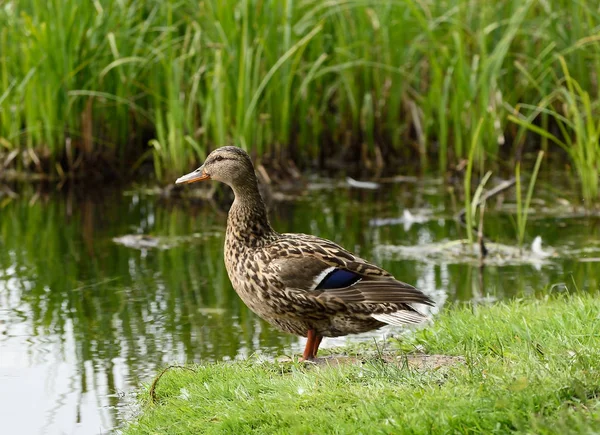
(302, 284)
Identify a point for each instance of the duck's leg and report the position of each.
(309, 349)
(316, 344)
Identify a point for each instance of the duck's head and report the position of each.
(229, 165)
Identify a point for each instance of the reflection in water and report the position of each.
(83, 318)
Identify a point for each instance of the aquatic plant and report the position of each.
(126, 82)
(523, 207)
(578, 126)
(472, 203)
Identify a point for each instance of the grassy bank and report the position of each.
(529, 366)
(121, 82)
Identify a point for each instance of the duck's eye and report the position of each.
(218, 158)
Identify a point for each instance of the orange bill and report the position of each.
(192, 177)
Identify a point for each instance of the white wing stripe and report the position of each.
(321, 276)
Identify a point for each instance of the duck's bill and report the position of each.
(192, 177)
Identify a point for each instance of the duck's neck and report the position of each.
(248, 222)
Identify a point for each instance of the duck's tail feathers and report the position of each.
(401, 317)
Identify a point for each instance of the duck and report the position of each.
(299, 283)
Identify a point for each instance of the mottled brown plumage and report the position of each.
(302, 284)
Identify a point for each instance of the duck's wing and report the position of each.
(319, 254)
(325, 273)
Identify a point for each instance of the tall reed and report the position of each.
(578, 126)
(523, 207)
(168, 80)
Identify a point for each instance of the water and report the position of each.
(89, 308)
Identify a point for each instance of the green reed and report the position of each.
(579, 130)
(523, 207)
(167, 81)
(471, 203)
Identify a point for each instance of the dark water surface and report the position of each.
(89, 308)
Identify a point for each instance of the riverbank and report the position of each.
(529, 366)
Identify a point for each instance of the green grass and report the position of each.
(530, 367)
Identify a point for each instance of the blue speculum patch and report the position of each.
(338, 278)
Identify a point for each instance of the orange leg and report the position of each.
(309, 349)
(316, 344)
